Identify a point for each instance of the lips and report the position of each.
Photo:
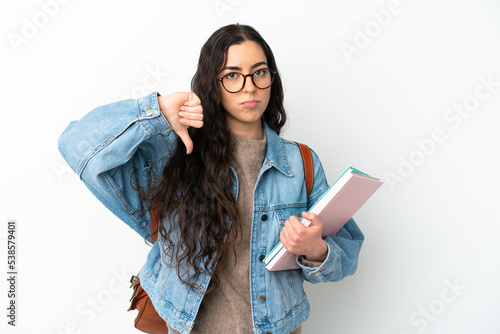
(250, 103)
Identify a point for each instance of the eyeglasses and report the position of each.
(234, 82)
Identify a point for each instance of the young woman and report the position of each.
(226, 189)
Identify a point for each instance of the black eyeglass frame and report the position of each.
(273, 75)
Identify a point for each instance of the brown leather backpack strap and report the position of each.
(308, 166)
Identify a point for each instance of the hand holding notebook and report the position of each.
(304, 240)
(337, 205)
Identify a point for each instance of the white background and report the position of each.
(434, 224)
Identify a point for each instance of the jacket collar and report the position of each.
(275, 151)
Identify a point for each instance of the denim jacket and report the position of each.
(124, 143)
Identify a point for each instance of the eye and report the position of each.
(261, 72)
(231, 76)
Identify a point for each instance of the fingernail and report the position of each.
(181, 114)
(182, 108)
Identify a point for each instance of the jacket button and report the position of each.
(262, 298)
(264, 217)
(261, 258)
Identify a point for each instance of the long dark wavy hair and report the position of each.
(194, 193)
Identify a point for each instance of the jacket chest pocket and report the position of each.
(283, 214)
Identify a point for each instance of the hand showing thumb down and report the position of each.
(181, 110)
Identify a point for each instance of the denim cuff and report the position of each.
(150, 115)
(322, 271)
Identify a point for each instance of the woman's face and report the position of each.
(243, 117)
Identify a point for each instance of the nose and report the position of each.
(249, 86)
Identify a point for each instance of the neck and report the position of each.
(252, 131)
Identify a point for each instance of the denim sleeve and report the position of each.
(343, 247)
(118, 147)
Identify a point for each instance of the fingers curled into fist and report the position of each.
(191, 114)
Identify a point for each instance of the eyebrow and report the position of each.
(239, 68)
